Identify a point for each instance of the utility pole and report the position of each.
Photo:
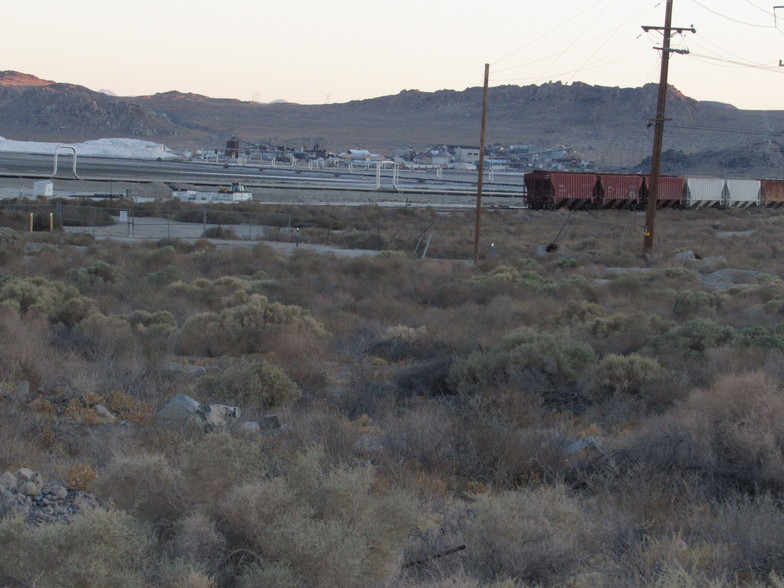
(658, 136)
(481, 170)
(776, 24)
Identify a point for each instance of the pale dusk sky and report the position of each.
(312, 51)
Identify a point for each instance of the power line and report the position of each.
(748, 24)
(729, 131)
(768, 68)
(571, 72)
(547, 32)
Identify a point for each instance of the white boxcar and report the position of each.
(744, 193)
(704, 192)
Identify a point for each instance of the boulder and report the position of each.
(103, 412)
(182, 410)
(220, 415)
(8, 482)
(29, 489)
(250, 427)
(27, 475)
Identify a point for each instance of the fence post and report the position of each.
(204, 222)
(31, 222)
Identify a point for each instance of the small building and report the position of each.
(435, 156)
(43, 188)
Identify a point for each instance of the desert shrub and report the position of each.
(251, 382)
(582, 311)
(372, 240)
(180, 573)
(220, 233)
(102, 548)
(735, 429)
(692, 339)
(96, 274)
(197, 539)
(618, 374)
(625, 333)
(41, 297)
(163, 276)
(752, 528)
(327, 526)
(692, 304)
(540, 536)
(100, 335)
(239, 329)
(146, 486)
(214, 465)
(556, 355)
(80, 476)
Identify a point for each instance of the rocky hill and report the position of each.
(607, 125)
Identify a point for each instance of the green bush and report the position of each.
(240, 329)
(41, 297)
(251, 382)
(556, 355)
(692, 339)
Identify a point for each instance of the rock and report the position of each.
(58, 491)
(27, 475)
(250, 427)
(29, 489)
(219, 415)
(269, 422)
(686, 255)
(182, 410)
(366, 444)
(580, 444)
(103, 411)
(8, 482)
(83, 502)
(22, 391)
(728, 278)
(730, 234)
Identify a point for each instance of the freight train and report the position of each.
(587, 190)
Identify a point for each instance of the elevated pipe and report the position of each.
(57, 152)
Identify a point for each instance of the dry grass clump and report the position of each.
(540, 536)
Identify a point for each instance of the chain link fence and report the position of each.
(153, 223)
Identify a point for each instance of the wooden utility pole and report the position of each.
(658, 135)
(481, 171)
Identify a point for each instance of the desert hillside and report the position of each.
(607, 125)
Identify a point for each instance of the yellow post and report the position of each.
(31, 222)
(51, 222)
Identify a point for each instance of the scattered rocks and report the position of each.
(219, 415)
(25, 494)
(184, 411)
(685, 255)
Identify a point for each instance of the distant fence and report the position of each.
(152, 223)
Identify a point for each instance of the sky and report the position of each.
(316, 51)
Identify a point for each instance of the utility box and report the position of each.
(43, 188)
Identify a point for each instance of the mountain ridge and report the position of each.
(608, 125)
